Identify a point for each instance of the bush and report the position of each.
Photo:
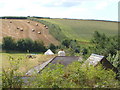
(10, 76)
(75, 75)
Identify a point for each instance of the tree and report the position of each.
(25, 44)
(21, 45)
(8, 43)
(66, 43)
(52, 47)
(84, 51)
(104, 45)
(39, 46)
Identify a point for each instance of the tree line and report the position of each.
(13, 17)
(24, 45)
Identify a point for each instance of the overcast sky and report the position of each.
(78, 9)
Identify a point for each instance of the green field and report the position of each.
(24, 63)
(82, 30)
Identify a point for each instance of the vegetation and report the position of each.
(52, 47)
(82, 30)
(108, 47)
(8, 43)
(13, 17)
(24, 45)
(25, 63)
(21, 17)
(104, 45)
(9, 79)
(73, 76)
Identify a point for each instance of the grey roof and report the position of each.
(94, 59)
(65, 60)
(38, 68)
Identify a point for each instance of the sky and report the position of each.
(76, 9)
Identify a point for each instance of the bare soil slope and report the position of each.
(10, 28)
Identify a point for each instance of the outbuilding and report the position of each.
(64, 60)
(95, 60)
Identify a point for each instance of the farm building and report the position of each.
(64, 60)
(95, 59)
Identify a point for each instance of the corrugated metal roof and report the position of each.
(94, 59)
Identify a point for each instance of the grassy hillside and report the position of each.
(82, 30)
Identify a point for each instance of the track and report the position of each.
(10, 29)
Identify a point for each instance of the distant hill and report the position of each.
(82, 30)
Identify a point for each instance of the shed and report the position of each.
(95, 59)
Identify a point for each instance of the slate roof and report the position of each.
(64, 60)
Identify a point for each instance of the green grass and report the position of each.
(25, 63)
(82, 30)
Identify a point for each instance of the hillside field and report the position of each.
(12, 27)
(82, 30)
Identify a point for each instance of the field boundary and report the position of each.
(54, 29)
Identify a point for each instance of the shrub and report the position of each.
(75, 75)
(10, 76)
